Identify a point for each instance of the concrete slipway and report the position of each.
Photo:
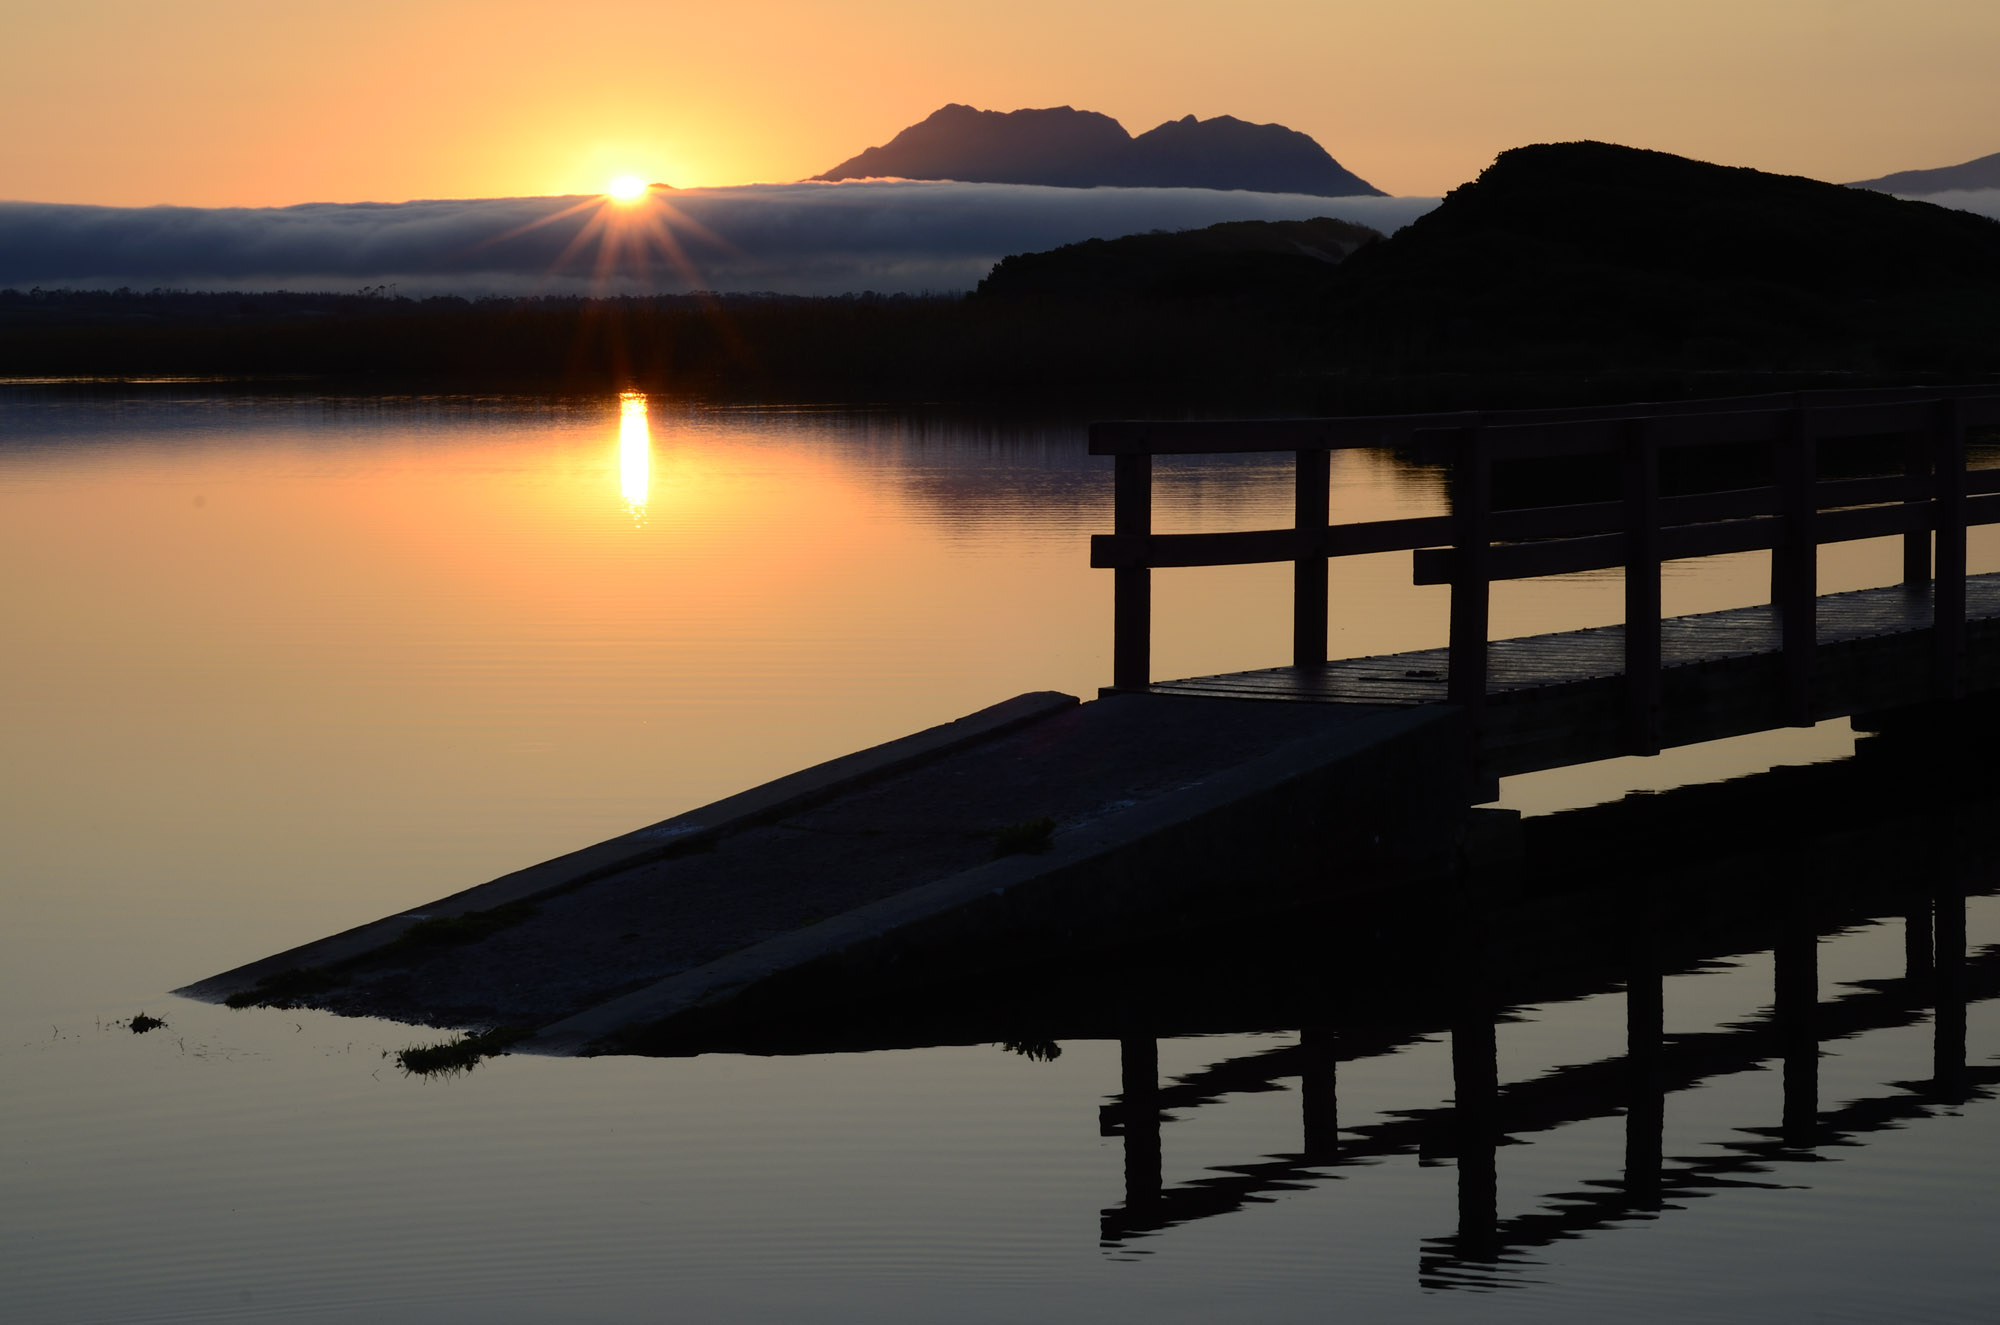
(1037, 825)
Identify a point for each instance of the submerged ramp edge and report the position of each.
(1038, 826)
(693, 830)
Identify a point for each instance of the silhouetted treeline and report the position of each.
(852, 348)
(1576, 272)
(1286, 268)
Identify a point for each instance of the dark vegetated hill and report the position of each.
(1581, 256)
(1265, 261)
(1082, 149)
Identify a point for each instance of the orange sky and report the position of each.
(216, 102)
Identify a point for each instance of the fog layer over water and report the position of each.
(808, 238)
(280, 666)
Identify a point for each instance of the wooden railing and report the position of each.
(1931, 503)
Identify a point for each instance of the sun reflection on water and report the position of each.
(635, 452)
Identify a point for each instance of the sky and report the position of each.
(248, 103)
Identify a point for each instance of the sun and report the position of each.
(626, 188)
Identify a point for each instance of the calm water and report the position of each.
(275, 667)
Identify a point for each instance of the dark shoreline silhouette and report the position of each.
(1567, 273)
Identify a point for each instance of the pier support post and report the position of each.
(1948, 584)
(1917, 542)
(1795, 565)
(1311, 509)
(1132, 586)
(1472, 543)
(1642, 589)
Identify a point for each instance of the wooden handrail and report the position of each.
(1932, 501)
(1250, 436)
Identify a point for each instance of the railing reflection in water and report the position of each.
(1484, 1116)
(1609, 900)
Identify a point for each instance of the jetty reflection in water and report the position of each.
(1770, 864)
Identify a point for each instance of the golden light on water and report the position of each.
(626, 188)
(635, 451)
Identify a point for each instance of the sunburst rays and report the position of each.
(625, 236)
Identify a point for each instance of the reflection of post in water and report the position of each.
(1139, 1090)
(1317, 1102)
(1917, 942)
(1645, 1024)
(1795, 1000)
(1475, 1083)
(1948, 984)
(1475, 1080)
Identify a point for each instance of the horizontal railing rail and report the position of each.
(1930, 505)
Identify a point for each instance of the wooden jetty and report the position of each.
(1046, 823)
(1645, 683)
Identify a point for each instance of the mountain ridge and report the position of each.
(1069, 148)
(1979, 173)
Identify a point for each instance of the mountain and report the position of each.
(1241, 260)
(1083, 149)
(1981, 174)
(1588, 253)
(1228, 153)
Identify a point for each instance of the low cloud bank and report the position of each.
(1986, 202)
(808, 238)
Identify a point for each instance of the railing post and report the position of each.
(1795, 565)
(1471, 537)
(1642, 589)
(1948, 586)
(1132, 587)
(1917, 458)
(1311, 509)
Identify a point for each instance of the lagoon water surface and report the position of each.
(276, 665)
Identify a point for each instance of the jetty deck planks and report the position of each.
(1552, 699)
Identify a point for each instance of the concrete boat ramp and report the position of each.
(1040, 824)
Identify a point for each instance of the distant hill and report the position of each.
(1981, 174)
(1233, 260)
(1083, 149)
(1576, 254)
